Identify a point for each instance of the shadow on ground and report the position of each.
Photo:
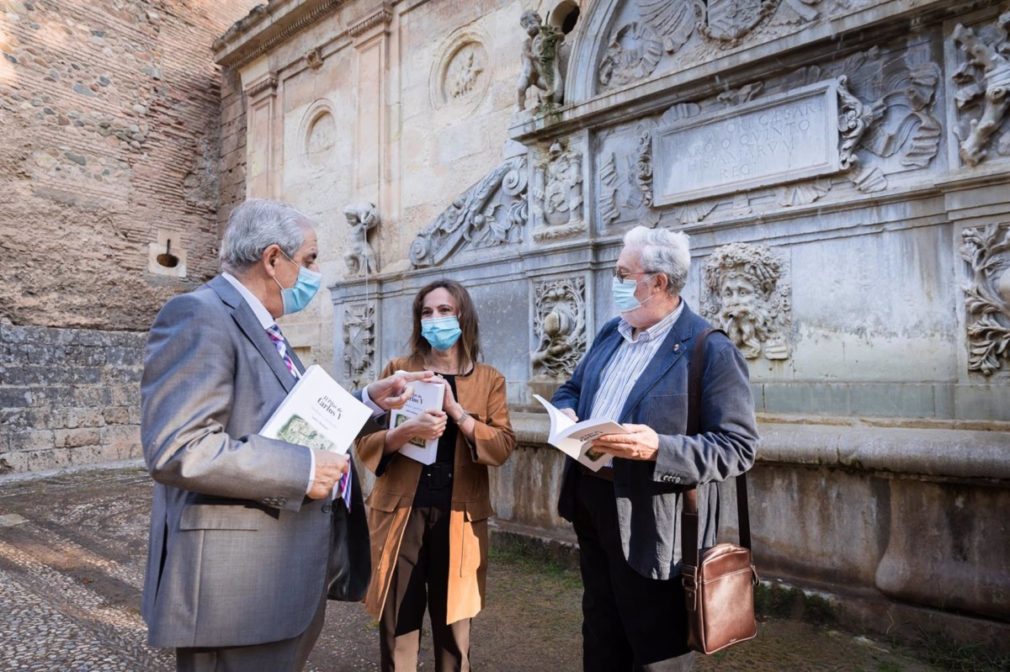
(72, 552)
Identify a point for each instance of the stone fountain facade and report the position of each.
(842, 167)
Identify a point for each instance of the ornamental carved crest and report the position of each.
(559, 326)
(986, 251)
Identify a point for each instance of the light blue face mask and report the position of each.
(624, 294)
(441, 332)
(297, 297)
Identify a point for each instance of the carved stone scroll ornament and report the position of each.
(360, 257)
(607, 204)
(987, 296)
(492, 212)
(359, 343)
(748, 296)
(560, 327)
(984, 81)
(557, 193)
(897, 120)
(541, 62)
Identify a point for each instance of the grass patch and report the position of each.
(531, 556)
(775, 601)
(947, 654)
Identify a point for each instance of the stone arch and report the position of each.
(317, 132)
(587, 49)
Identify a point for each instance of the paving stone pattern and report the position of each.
(73, 548)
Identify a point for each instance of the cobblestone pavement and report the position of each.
(73, 547)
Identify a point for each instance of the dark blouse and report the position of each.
(434, 489)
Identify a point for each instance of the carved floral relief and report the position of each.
(559, 327)
(748, 296)
(987, 296)
(359, 343)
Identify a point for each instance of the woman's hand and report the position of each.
(427, 425)
(451, 407)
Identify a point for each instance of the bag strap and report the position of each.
(689, 512)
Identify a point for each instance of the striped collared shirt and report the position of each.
(629, 361)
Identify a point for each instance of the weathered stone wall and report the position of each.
(68, 396)
(112, 131)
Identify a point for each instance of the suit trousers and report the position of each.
(629, 622)
(421, 579)
(288, 655)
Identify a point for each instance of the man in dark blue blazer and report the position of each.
(627, 515)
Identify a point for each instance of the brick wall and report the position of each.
(112, 124)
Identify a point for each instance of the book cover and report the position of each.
(575, 439)
(318, 413)
(426, 397)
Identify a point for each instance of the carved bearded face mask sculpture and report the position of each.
(742, 315)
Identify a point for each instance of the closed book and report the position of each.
(318, 413)
(426, 397)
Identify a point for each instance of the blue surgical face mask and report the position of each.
(623, 292)
(298, 296)
(441, 332)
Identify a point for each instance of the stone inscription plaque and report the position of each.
(766, 142)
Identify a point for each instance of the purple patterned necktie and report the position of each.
(274, 332)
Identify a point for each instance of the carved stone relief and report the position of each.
(665, 26)
(360, 257)
(541, 62)
(314, 58)
(490, 213)
(464, 71)
(321, 137)
(461, 74)
(983, 79)
(748, 295)
(559, 327)
(886, 108)
(359, 343)
(987, 296)
(557, 193)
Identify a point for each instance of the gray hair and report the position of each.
(256, 225)
(663, 251)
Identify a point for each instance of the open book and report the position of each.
(426, 397)
(575, 439)
(318, 413)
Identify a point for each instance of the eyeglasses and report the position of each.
(622, 276)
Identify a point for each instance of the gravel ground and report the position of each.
(72, 551)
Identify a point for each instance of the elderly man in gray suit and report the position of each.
(242, 527)
(626, 516)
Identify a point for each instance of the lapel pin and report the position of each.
(676, 347)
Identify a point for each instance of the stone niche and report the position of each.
(840, 168)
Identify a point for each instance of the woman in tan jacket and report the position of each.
(429, 523)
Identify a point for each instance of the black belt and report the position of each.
(605, 473)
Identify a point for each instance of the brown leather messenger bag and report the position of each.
(720, 587)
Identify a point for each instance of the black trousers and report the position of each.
(629, 622)
(421, 580)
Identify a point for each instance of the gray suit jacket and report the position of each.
(238, 555)
(650, 494)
